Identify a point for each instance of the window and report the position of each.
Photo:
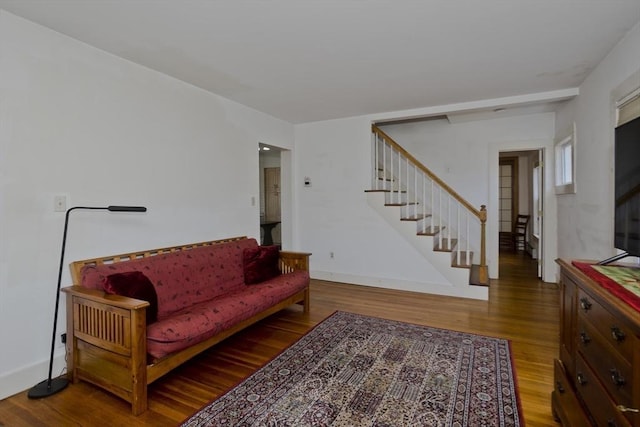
(565, 155)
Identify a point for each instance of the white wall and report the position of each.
(78, 121)
(585, 219)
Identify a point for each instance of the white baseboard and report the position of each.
(473, 292)
(23, 379)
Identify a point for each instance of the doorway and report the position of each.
(270, 195)
(520, 181)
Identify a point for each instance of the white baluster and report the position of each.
(374, 170)
(433, 206)
(408, 196)
(468, 239)
(424, 203)
(458, 232)
(399, 176)
(448, 221)
(415, 187)
(384, 164)
(391, 177)
(440, 216)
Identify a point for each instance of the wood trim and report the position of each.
(427, 171)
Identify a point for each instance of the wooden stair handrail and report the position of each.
(431, 175)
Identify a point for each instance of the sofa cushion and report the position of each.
(202, 321)
(134, 284)
(260, 264)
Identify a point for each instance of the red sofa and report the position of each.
(133, 317)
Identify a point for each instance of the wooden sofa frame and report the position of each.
(107, 334)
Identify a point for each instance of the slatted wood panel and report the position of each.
(520, 308)
(109, 329)
(291, 261)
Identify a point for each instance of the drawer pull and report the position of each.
(585, 304)
(561, 389)
(617, 334)
(581, 379)
(617, 379)
(623, 408)
(586, 339)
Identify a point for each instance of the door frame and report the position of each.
(549, 232)
(286, 196)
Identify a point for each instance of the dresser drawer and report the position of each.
(612, 330)
(595, 397)
(564, 402)
(613, 371)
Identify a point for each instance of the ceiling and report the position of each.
(310, 60)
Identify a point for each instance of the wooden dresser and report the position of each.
(597, 375)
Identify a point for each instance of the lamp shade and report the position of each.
(126, 208)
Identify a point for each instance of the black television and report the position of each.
(627, 189)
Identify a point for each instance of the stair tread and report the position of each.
(447, 245)
(463, 257)
(401, 204)
(430, 231)
(385, 191)
(413, 218)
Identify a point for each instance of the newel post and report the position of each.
(484, 271)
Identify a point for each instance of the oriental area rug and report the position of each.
(353, 370)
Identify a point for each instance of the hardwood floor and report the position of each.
(520, 308)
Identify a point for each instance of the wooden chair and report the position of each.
(519, 234)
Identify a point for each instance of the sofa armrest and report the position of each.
(111, 322)
(291, 261)
(107, 343)
(102, 297)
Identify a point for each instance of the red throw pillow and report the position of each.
(134, 284)
(260, 264)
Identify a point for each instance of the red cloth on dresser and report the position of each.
(625, 295)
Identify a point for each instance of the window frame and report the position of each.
(563, 186)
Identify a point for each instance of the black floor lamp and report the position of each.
(51, 386)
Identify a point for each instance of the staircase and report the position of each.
(446, 229)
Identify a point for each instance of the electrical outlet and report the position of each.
(63, 338)
(331, 255)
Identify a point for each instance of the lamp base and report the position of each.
(46, 388)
